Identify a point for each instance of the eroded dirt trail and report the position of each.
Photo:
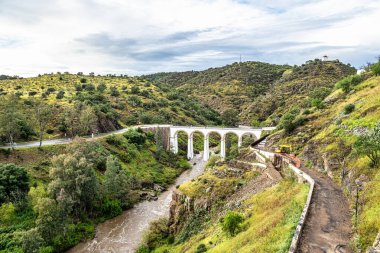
(328, 227)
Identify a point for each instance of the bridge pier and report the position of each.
(240, 141)
(223, 147)
(190, 149)
(206, 149)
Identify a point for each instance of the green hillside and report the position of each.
(110, 102)
(255, 90)
(228, 87)
(329, 138)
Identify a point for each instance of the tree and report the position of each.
(137, 137)
(230, 118)
(74, 177)
(79, 120)
(10, 117)
(369, 145)
(49, 221)
(42, 114)
(116, 182)
(31, 240)
(231, 222)
(14, 183)
(87, 120)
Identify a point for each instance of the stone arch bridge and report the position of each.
(206, 131)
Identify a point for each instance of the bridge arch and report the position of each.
(206, 131)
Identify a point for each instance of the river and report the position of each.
(124, 232)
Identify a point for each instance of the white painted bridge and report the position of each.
(206, 131)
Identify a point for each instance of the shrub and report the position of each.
(7, 212)
(90, 87)
(114, 91)
(83, 80)
(349, 108)
(111, 207)
(231, 222)
(289, 121)
(101, 87)
(157, 234)
(201, 248)
(78, 87)
(376, 68)
(346, 83)
(135, 137)
(60, 94)
(369, 145)
(14, 182)
(32, 93)
(135, 90)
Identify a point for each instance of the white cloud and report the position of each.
(134, 37)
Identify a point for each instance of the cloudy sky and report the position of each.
(145, 36)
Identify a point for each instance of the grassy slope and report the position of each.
(156, 105)
(331, 133)
(271, 217)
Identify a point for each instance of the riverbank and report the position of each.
(124, 232)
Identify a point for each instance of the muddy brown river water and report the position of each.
(124, 232)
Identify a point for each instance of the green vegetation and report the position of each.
(56, 202)
(231, 222)
(271, 218)
(342, 139)
(369, 145)
(81, 105)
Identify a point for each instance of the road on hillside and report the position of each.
(63, 141)
(328, 227)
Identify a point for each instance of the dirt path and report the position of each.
(328, 227)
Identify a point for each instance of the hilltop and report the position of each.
(256, 90)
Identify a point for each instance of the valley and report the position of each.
(321, 108)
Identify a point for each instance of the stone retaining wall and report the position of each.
(262, 156)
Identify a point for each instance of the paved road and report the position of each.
(328, 226)
(65, 141)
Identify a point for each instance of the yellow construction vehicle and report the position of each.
(287, 149)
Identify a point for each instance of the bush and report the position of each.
(7, 212)
(90, 87)
(78, 87)
(111, 208)
(135, 90)
(157, 234)
(291, 120)
(376, 68)
(101, 87)
(114, 92)
(231, 222)
(346, 83)
(60, 94)
(349, 108)
(201, 248)
(83, 80)
(32, 93)
(135, 136)
(14, 182)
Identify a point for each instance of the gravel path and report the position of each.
(328, 226)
